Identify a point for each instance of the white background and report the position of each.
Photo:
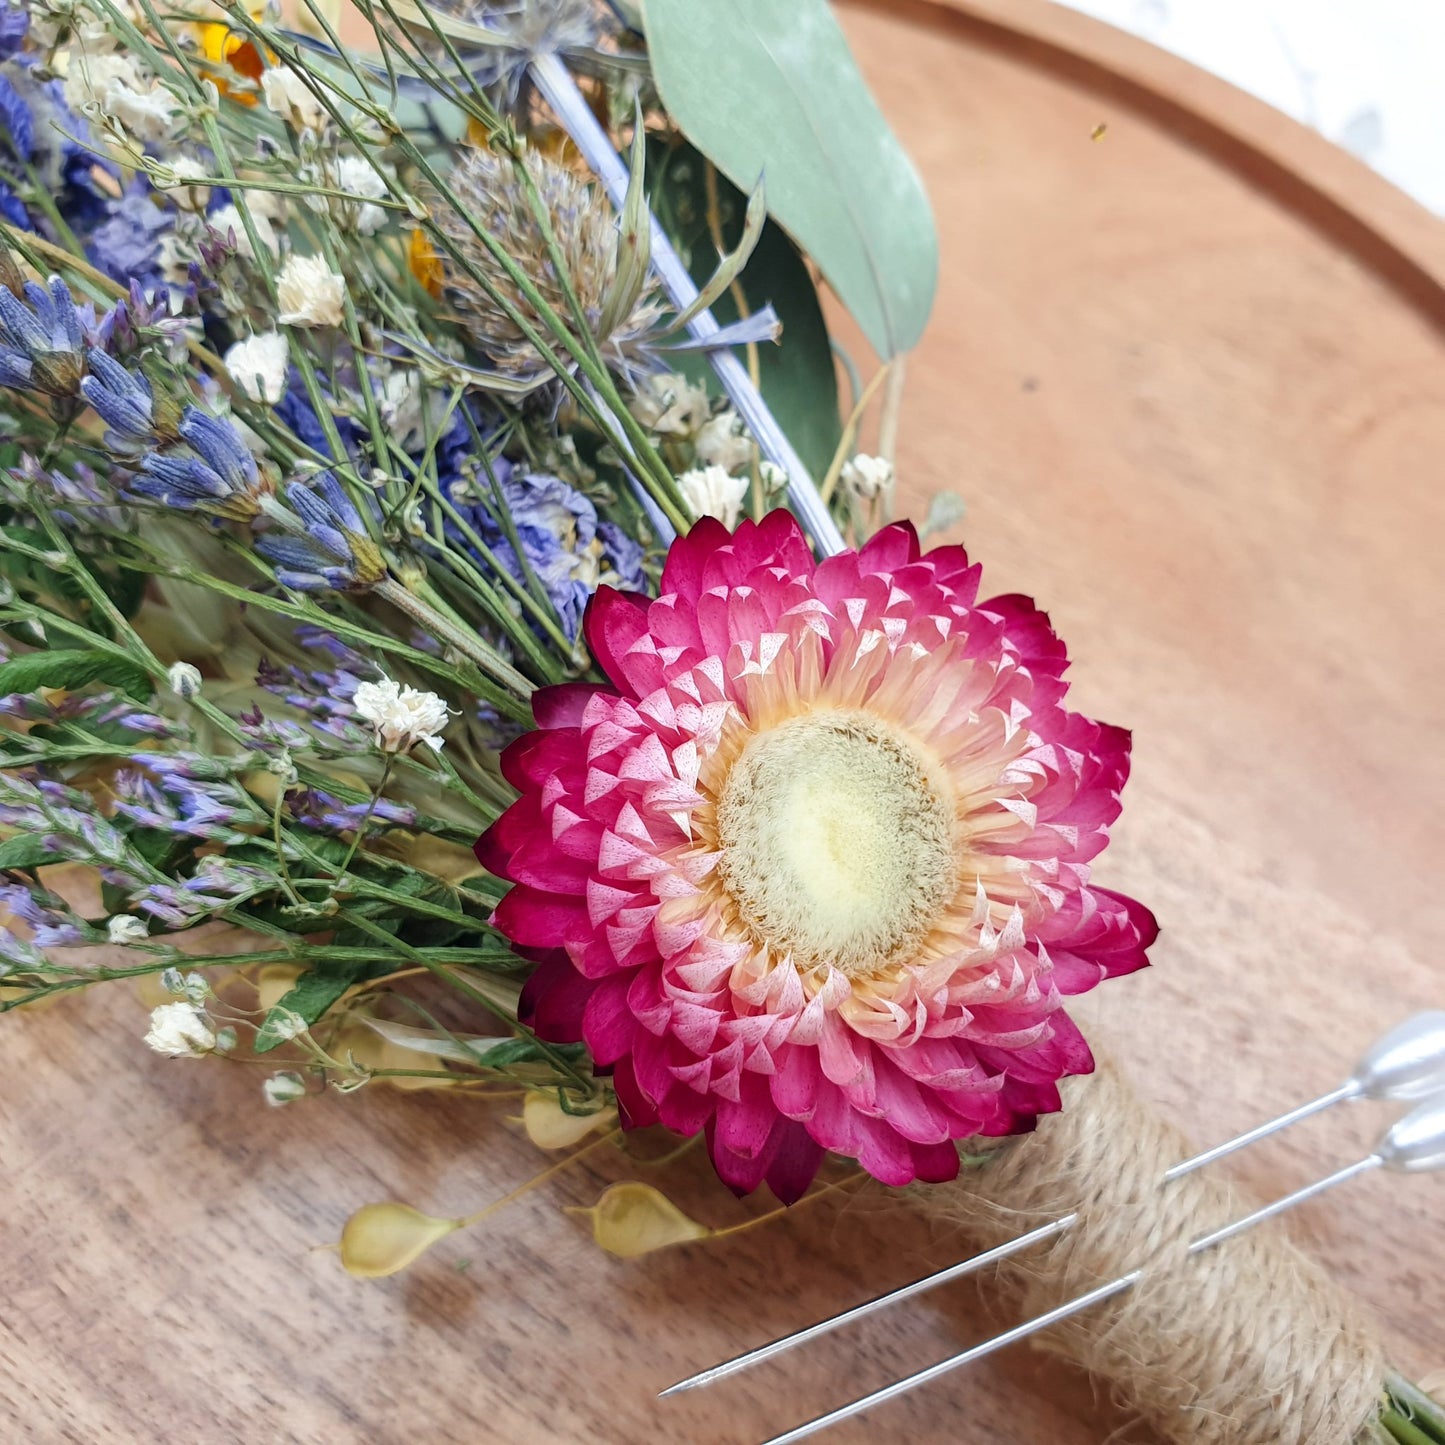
(1369, 74)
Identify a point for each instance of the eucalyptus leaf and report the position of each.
(765, 87)
(313, 994)
(798, 378)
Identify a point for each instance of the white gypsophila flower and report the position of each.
(126, 929)
(722, 442)
(181, 1030)
(184, 679)
(121, 90)
(670, 405)
(358, 177)
(286, 1024)
(283, 1088)
(711, 492)
(402, 716)
(88, 76)
(310, 293)
(867, 477)
(773, 478)
(258, 366)
(187, 197)
(146, 114)
(192, 986)
(226, 221)
(288, 96)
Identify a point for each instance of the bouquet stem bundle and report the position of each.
(1250, 1343)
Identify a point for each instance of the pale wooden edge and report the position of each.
(1388, 231)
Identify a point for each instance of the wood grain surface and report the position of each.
(1189, 379)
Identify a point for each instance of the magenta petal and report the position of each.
(561, 706)
(935, 1163)
(542, 920)
(795, 1082)
(794, 1160)
(612, 623)
(634, 1108)
(608, 1025)
(554, 1000)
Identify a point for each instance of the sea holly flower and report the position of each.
(491, 195)
(812, 871)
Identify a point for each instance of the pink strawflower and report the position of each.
(813, 872)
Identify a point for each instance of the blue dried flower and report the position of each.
(17, 125)
(219, 476)
(566, 547)
(14, 22)
(126, 245)
(123, 400)
(42, 344)
(36, 147)
(336, 554)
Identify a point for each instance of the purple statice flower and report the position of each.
(336, 554)
(123, 400)
(565, 545)
(126, 245)
(80, 502)
(216, 886)
(51, 923)
(271, 735)
(66, 707)
(147, 724)
(217, 473)
(142, 801)
(64, 818)
(176, 803)
(316, 809)
(324, 695)
(42, 344)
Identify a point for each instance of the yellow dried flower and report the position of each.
(383, 1239)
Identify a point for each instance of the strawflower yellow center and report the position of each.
(837, 841)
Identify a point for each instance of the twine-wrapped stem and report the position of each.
(1250, 1343)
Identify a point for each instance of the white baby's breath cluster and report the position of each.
(670, 405)
(713, 492)
(867, 477)
(180, 1030)
(115, 87)
(258, 366)
(125, 929)
(310, 293)
(401, 716)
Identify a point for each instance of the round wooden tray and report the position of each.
(1188, 377)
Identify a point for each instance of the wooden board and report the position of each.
(1189, 379)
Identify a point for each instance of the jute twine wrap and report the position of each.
(1249, 1343)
